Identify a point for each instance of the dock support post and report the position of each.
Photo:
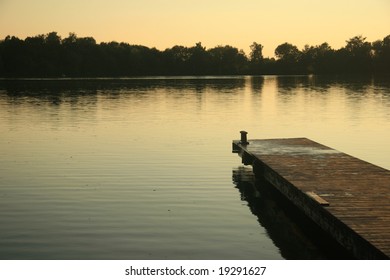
(244, 140)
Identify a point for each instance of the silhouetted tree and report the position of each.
(287, 52)
(175, 60)
(381, 55)
(288, 57)
(225, 60)
(324, 59)
(269, 67)
(358, 53)
(198, 60)
(14, 57)
(317, 59)
(71, 57)
(256, 58)
(308, 58)
(47, 55)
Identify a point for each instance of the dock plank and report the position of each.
(356, 194)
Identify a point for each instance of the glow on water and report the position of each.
(142, 168)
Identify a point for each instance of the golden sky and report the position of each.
(165, 23)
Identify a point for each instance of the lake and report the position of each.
(143, 169)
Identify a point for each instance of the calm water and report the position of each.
(142, 168)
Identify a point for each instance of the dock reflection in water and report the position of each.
(294, 234)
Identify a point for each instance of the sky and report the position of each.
(165, 23)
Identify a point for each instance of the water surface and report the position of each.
(142, 168)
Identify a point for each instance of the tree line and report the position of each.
(48, 55)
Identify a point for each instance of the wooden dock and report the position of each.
(347, 197)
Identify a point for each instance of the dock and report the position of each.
(346, 197)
